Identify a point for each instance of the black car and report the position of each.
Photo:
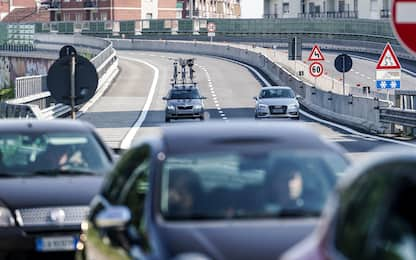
(49, 173)
(233, 190)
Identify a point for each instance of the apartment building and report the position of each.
(365, 9)
(212, 8)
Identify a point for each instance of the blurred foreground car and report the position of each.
(277, 102)
(370, 217)
(49, 173)
(234, 191)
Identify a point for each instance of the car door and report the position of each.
(126, 185)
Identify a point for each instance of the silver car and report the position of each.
(184, 102)
(277, 102)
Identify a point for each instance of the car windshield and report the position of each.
(51, 154)
(277, 93)
(246, 186)
(184, 94)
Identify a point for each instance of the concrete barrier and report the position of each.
(358, 112)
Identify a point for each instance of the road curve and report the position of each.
(229, 88)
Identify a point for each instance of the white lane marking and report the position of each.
(405, 13)
(225, 118)
(218, 108)
(128, 138)
(325, 122)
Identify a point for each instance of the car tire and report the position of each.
(202, 118)
(167, 120)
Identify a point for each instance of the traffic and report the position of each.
(176, 139)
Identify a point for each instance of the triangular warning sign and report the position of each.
(316, 54)
(388, 60)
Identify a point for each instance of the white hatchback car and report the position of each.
(277, 102)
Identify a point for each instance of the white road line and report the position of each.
(325, 122)
(369, 78)
(128, 138)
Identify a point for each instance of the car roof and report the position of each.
(210, 135)
(34, 125)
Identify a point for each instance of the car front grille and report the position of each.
(185, 107)
(73, 215)
(278, 109)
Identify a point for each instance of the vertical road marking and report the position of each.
(128, 138)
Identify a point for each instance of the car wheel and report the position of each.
(167, 119)
(202, 118)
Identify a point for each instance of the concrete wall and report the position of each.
(357, 112)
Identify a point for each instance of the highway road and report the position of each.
(134, 106)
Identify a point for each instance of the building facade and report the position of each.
(365, 9)
(211, 8)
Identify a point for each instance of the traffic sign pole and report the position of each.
(73, 86)
(343, 75)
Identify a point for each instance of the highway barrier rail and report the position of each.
(31, 92)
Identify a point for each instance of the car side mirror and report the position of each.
(113, 217)
(164, 98)
(255, 98)
(298, 97)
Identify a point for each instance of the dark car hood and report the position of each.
(236, 240)
(48, 191)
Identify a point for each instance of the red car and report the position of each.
(370, 216)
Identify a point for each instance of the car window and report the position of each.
(233, 185)
(121, 173)
(191, 93)
(277, 93)
(26, 154)
(374, 211)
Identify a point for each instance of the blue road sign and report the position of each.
(388, 84)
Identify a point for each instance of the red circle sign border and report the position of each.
(310, 69)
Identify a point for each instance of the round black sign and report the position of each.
(59, 80)
(343, 63)
(67, 50)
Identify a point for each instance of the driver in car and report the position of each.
(285, 184)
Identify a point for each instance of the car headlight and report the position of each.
(197, 107)
(171, 107)
(6, 218)
(293, 106)
(263, 106)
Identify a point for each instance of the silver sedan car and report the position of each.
(277, 102)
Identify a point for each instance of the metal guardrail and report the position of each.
(398, 117)
(29, 85)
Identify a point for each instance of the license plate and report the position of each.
(278, 111)
(64, 243)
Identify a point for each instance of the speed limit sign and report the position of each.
(316, 69)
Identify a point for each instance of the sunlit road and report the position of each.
(229, 89)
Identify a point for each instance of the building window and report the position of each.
(285, 8)
(149, 15)
(58, 16)
(104, 17)
(341, 6)
(67, 17)
(78, 17)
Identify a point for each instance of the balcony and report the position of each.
(331, 15)
(270, 16)
(385, 13)
(90, 4)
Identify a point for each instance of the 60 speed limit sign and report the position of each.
(316, 69)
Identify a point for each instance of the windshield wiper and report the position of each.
(56, 172)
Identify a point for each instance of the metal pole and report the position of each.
(191, 9)
(73, 87)
(343, 75)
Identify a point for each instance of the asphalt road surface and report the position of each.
(134, 106)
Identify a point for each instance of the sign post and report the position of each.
(316, 69)
(72, 79)
(404, 23)
(212, 28)
(388, 70)
(343, 63)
